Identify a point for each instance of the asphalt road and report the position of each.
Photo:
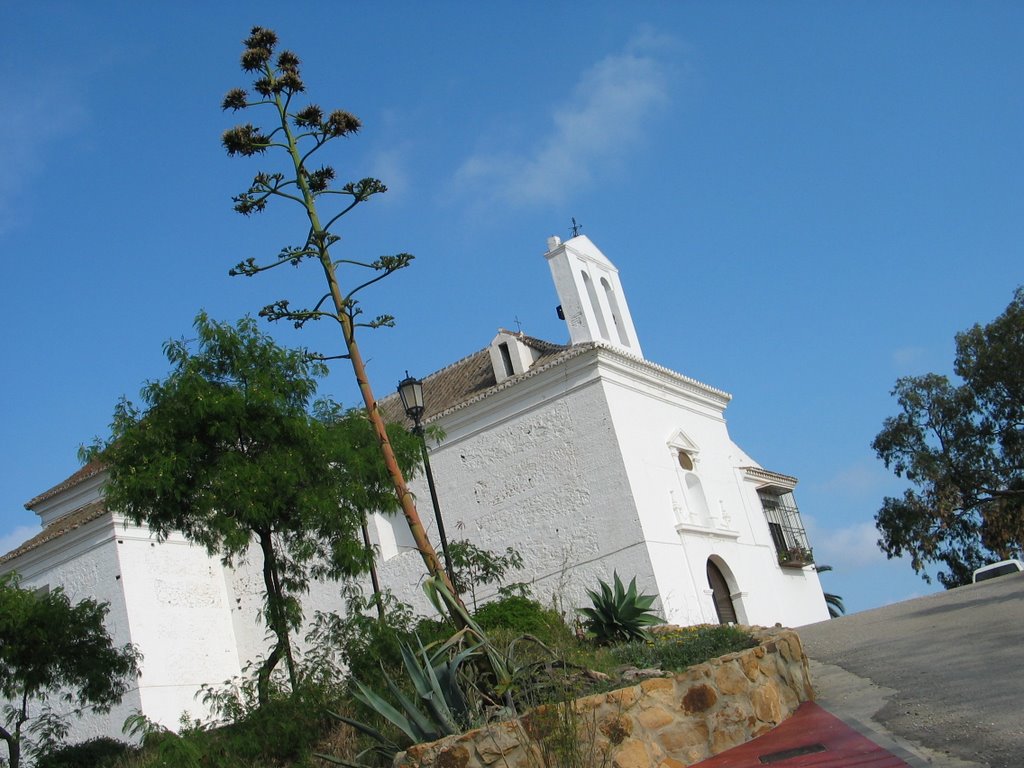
(950, 668)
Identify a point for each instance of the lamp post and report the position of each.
(411, 391)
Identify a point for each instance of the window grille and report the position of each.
(786, 527)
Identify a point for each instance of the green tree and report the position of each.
(299, 133)
(50, 648)
(231, 450)
(476, 567)
(962, 446)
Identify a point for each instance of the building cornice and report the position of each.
(767, 477)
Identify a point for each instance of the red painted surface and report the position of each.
(809, 725)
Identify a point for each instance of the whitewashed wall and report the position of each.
(536, 467)
(655, 412)
(575, 469)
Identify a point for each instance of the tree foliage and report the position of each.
(231, 450)
(297, 133)
(962, 447)
(51, 649)
(474, 566)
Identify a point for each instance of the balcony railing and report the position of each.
(787, 530)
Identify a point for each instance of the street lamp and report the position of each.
(411, 391)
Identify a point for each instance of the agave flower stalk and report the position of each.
(300, 132)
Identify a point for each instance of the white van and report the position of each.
(1001, 568)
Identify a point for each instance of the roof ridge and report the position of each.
(80, 475)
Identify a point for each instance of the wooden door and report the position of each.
(723, 602)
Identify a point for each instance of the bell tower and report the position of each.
(592, 301)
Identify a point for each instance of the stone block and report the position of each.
(588, 703)
(750, 668)
(497, 740)
(624, 697)
(616, 728)
(682, 736)
(699, 698)
(658, 684)
(790, 698)
(455, 756)
(767, 703)
(631, 754)
(730, 679)
(654, 718)
(731, 725)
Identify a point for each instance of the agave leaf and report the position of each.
(386, 710)
(415, 671)
(428, 729)
(433, 695)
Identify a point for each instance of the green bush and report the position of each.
(524, 616)
(94, 753)
(280, 731)
(676, 649)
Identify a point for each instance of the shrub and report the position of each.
(94, 753)
(521, 615)
(675, 649)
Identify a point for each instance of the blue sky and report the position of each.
(805, 201)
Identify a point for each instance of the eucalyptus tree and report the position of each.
(297, 133)
(961, 444)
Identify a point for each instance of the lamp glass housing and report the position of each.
(410, 389)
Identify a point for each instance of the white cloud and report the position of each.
(17, 537)
(610, 105)
(33, 120)
(908, 359)
(846, 548)
(390, 166)
(860, 479)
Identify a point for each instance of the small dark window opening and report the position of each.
(685, 461)
(506, 358)
(778, 537)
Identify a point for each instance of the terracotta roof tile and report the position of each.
(89, 470)
(462, 381)
(59, 527)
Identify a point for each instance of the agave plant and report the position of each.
(618, 614)
(439, 708)
(459, 683)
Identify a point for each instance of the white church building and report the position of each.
(585, 457)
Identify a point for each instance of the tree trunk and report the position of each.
(276, 619)
(13, 747)
(378, 601)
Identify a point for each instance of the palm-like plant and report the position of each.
(619, 614)
(834, 602)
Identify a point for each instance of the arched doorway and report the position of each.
(723, 601)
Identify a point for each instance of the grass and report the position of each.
(674, 649)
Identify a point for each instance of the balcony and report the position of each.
(786, 528)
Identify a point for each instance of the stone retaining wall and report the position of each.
(668, 722)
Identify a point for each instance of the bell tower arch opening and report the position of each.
(591, 299)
